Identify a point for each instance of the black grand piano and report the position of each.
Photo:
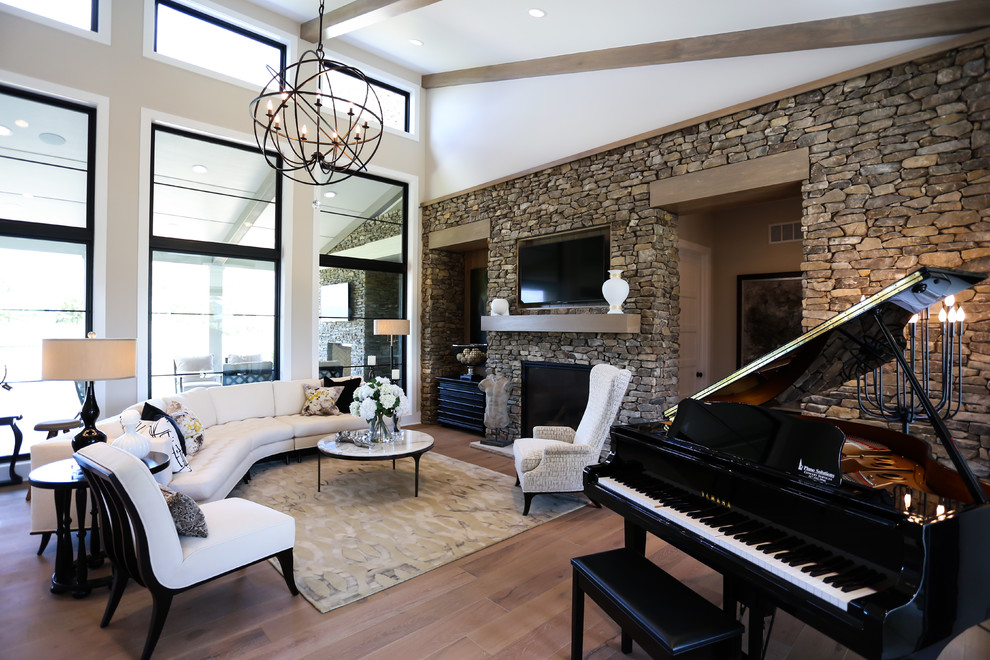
(854, 529)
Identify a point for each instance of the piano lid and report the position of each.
(848, 345)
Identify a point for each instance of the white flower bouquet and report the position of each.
(378, 399)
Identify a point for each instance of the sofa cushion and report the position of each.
(305, 425)
(252, 433)
(288, 394)
(246, 401)
(199, 401)
(221, 457)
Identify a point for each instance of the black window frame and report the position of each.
(400, 267)
(219, 22)
(211, 249)
(94, 18)
(392, 88)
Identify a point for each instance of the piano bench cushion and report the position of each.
(663, 615)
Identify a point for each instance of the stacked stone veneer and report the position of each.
(370, 295)
(900, 178)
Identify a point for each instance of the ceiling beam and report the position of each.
(356, 15)
(933, 20)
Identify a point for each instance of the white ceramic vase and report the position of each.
(500, 307)
(615, 289)
(131, 441)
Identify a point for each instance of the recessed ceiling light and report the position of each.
(200, 169)
(4, 131)
(416, 42)
(537, 13)
(21, 123)
(329, 194)
(52, 138)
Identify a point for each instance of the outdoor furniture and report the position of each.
(193, 371)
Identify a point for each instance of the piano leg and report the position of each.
(635, 537)
(759, 609)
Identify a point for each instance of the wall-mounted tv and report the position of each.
(566, 268)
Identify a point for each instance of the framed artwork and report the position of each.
(768, 313)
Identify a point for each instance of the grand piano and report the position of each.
(854, 529)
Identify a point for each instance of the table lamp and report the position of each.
(88, 360)
(392, 327)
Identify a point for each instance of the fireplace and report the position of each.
(553, 394)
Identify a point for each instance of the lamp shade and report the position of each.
(392, 327)
(88, 359)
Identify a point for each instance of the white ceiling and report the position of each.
(459, 34)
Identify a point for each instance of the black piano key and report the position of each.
(703, 512)
(812, 554)
(869, 580)
(773, 547)
(827, 567)
(848, 576)
(734, 528)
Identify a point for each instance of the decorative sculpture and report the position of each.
(496, 389)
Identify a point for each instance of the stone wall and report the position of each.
(900, 178)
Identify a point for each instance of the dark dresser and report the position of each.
(460, 403)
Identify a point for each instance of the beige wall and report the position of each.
(739, 240)
(130, 91)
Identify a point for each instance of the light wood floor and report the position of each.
(511, 600)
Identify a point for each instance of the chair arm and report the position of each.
(561, 433)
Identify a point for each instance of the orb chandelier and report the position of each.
(323, 119)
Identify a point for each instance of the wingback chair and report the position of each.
(142, 543)
(553, 461)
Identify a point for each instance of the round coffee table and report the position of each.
(411, 444)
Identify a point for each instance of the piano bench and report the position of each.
(666, 618)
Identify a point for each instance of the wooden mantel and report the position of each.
(583, 323)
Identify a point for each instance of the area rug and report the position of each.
(366, 532)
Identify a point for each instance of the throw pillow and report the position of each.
(165, 427)
(189, 424)
(349, 385)
(188, 517)
(321, 400)
(151, 413)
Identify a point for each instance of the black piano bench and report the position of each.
(665, 617)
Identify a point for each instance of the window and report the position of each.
(208, 42)
(77, 13)
(46, 242)
(215, 244)
(395, 101)
(362, 276)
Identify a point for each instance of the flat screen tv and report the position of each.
(564, 268)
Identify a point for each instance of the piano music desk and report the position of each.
(665, 617)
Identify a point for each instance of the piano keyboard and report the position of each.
(832, 578)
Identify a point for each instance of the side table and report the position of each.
(64, 477)
(11, 421)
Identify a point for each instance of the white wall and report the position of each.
(133, 90)
(482, 132)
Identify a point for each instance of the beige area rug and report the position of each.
(366, 532)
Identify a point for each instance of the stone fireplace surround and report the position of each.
(899, 178)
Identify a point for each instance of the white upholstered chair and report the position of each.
(553, 461)
(142, 544)
(193, 371)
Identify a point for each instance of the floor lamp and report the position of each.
(88, 360)
(392, 328)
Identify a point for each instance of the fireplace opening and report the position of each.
(553, 394)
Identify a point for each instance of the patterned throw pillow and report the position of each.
(165, 427)
(321, 400)
(188, 517)
(189, 424)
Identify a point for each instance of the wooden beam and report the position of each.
(460, 238)
(934, 20)
(356, 15)
(736, 183)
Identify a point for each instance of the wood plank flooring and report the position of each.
(511, 600)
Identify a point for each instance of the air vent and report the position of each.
(786, 232)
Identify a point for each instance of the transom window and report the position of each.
(395, 101)
(211, 43)
(82, 14)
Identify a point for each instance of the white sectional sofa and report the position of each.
(241, 425)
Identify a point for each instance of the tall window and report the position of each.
(211, 43)
(82, 14)
(215, 244)
(46, 245)
(362, 275)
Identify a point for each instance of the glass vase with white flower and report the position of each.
(376, 400)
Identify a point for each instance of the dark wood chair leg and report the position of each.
(517, 479)
(577, 619)
(117, 585)
(161, 602)
(45, 538)
(527, 500)
(285, 563)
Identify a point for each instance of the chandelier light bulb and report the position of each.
(961, 315)
(950, 301)
(941, 315)
(913, 319)
(952, 315)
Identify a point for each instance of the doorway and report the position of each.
(694, 270)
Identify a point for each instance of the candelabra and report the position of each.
(937, 369)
